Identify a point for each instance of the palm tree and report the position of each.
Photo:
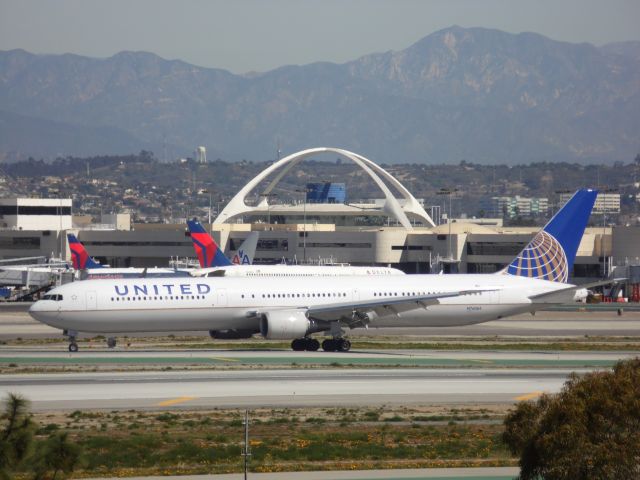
(16, 436)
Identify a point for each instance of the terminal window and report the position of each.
(20, 243)
(33, 210)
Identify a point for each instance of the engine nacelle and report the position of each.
(284, 325)
(231, 334)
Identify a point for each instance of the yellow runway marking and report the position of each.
(482, 361)
(175, 401)
(225, 359)
(529, 396)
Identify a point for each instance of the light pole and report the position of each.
(246, 453)
(56, 192)
(604, 205)
(267, 196)
(207, 191)
(448, 192)
(304, 223)
(560, 193)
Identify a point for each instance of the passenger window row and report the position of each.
(403, 294)
(160, 297)
(302, 295)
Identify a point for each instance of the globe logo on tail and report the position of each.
(543, 258)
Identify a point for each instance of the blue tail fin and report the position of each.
(209, 254)
(551, 253)
(80, 257)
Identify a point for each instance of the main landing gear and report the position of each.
(336, 345)
(328, 345)
(308, 344)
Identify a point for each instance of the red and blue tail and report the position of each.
(209, 254)
(80, 257)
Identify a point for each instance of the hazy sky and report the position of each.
(245, 35)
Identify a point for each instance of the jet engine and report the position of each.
(289, 324)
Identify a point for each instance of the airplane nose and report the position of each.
(43, 310)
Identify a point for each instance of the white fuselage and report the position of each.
(183, 304)
(129, 272)
(294, 271)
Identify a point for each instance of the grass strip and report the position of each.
(131, 443)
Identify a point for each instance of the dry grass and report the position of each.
(172, 442)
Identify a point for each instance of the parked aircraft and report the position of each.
(295, 308)
(210, 254)
(89, 269)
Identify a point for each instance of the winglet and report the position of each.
(209, 254)
(79, 255)
(551, 253)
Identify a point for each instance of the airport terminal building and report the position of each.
(323, 229)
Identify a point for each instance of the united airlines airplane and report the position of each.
(296, 307)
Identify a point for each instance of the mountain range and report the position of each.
(476, 94)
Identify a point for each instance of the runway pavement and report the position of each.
(15, 322)
(244, 378)
(282, 388)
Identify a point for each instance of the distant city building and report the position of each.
(35, 213)
(606, 202)
(517, 206)
(201, 155)
(326, 192)
(117, 221)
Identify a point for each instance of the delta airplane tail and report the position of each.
(80, 257)
(209, 254)
(551, 253)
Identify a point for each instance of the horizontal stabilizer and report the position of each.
(564, 294)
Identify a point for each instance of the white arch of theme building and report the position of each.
(392, 207)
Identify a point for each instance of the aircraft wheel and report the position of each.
(111, 342)
(312, 345)
(73, 347)
(344, 345)
(298, 345)
(329, 345)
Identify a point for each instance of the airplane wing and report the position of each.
(356, 313)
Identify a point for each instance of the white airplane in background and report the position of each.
(214, 263)
(88, 269)
(295, 308)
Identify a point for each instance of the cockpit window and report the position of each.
(55, 298)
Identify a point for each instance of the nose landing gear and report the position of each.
(71, 334)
